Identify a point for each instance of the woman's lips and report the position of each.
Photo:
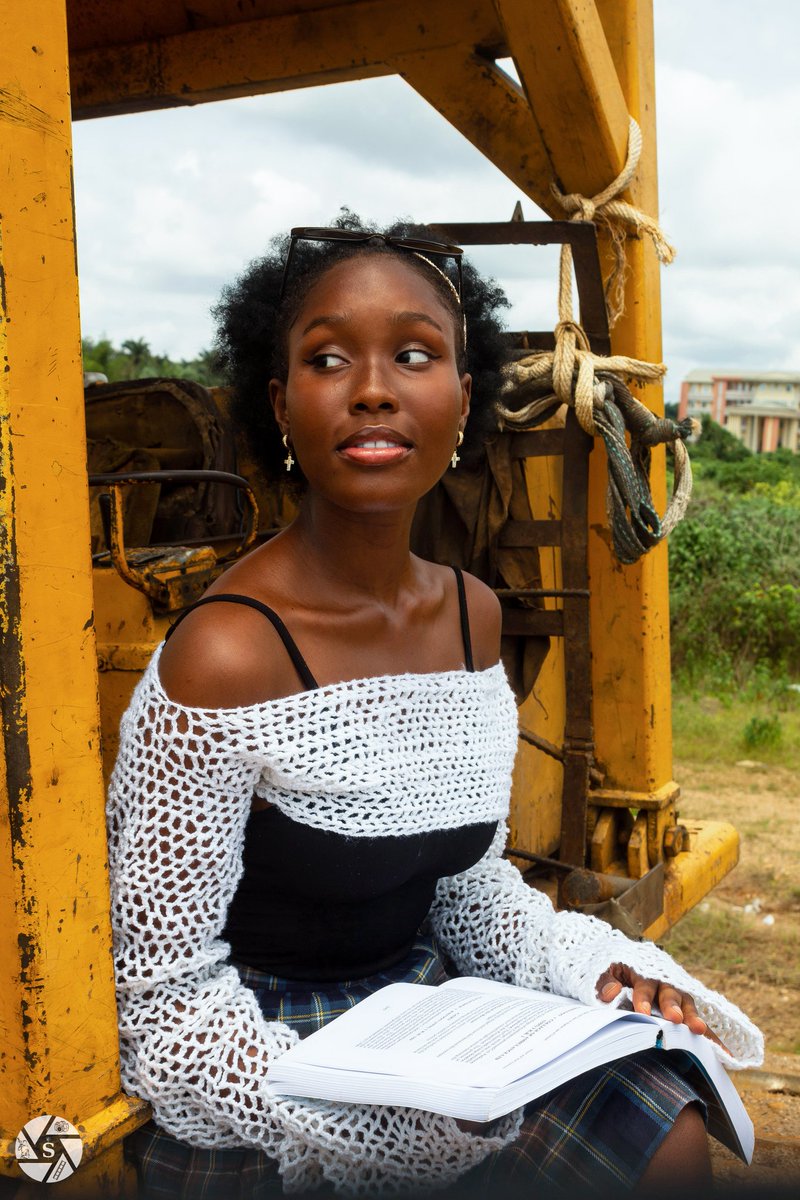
(375, 448)
(375, 452)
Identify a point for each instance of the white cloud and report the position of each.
(728, 116)
(172, 204)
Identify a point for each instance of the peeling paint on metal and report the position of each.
(12, 669)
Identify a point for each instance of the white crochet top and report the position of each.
(390, 755)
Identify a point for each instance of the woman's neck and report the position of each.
(354, 554)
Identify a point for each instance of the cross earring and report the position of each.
(289, 461)
(455, 460)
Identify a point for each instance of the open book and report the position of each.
(475, 1049)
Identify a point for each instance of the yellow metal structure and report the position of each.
(584, 66)
(58, 1034)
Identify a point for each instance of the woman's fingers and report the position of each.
(644, 992)
(612, 981)
(609, 990)
(670, 1001)
(618, 976)
(675, 1005)
(692, 1017)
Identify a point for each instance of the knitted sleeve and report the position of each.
(491, 923)
(194, 1041)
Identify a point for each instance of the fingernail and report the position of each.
(609, 989)
(645, 1007)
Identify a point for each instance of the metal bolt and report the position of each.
(676, 839)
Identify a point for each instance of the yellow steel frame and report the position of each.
(57, 1011)
(584, 65)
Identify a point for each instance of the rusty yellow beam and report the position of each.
(630, 611)
(350, 41)
(489, 109)
(585, 67)
(571, 82)
(58, 1031)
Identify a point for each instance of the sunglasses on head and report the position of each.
(419, 246)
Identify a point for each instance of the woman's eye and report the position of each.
(324, 360)
(415, 356)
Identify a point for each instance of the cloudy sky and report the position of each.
(172, 204)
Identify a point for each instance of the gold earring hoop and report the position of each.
(288, 461)
(455, 460)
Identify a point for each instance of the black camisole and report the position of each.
(315, 905)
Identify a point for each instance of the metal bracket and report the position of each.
(172, 577)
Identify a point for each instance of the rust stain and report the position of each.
(27, 951)
(12, 669)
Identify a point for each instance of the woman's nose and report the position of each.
(373, 390)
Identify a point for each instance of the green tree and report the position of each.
(136, 360)
(140, 355)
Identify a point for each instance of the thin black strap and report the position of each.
(464, 614)
(299, 663)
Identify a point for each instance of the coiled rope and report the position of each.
(593, 384)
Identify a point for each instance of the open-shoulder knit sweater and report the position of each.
(391, 755)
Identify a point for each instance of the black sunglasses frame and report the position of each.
(413, 245)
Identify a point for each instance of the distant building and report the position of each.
(760, 408)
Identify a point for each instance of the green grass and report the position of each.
(724, 728)
(738, 945)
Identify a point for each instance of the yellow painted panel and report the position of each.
(538, 778)
(127, 634)
(713, 852)
(57, 1007)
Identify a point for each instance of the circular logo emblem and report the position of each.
(48, 1149)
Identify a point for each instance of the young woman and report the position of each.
(314, 776)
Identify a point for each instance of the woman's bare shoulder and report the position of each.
(225, 655)
(485, 621)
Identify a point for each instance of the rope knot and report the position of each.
(580, 208)
(593, 385)
(570, 328)
(621, 219)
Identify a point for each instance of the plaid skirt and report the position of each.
(595, 1133)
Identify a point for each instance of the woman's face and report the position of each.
(373, 400)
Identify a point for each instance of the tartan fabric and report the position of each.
(307, 1006)
(171, 1170)
(597, 1132)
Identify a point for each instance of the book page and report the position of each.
(487, 1035)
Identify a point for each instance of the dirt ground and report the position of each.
(744, 940)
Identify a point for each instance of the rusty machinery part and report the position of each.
(628, 904)
(170, 576)
(596, 776)
(583, 887)
(676, 840)
(162, 425)
(631, 905)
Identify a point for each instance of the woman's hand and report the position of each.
(675, 1005)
